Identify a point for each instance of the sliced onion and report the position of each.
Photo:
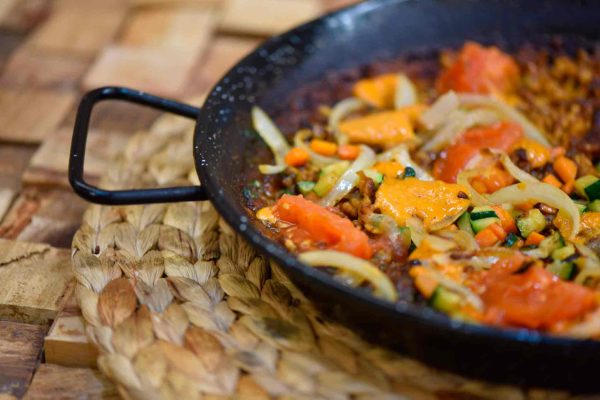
(439, 244)
(406, 94)
(269, 132)
(417, 230)
(512, 169)
(476, 198)
(267, 169)
(315, 158)
(340, 111)
(381, 283)
(457, 122)
(463, 239)
(506, 111)
(543, 193)
(439, 110)
(349, 178)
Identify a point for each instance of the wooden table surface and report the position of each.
(50, 53)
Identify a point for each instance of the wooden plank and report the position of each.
(56, 382)
(78, 30)
(170, 3)
(223, 53)
(32, 282)
(49, 165)
(22, 15)
(175, 27)
(67, 343)
(331, 5)
(20, 350)
(156, 70)
(44, 216)
(13, 160)
(8, 43)
(28, 115)
(31, 68)
(267, 17)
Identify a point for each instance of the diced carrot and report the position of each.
(534, 239)
(348, 151)
(506, 220)
(486, 237)
(550, 179)
(378, 91)
(498, 231)
(323, 147)
(495, 178)
(565, 168)
(526, 206)
(479, 185)
(568, 187)
(296, 157)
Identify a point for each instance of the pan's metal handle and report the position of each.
(122, 197)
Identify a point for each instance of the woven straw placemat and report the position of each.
(180, 307)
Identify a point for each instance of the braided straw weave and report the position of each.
(182, 308)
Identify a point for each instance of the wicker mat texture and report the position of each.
(182, 308)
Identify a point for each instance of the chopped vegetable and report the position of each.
(439, 110)
(500, 136)
(349, 178)
(306, 187)
(296, 157)
(382, 285)
(550, 179)
(437, 203)
(535, 299)
(322, 225)
(386, 128)
(479, 69)
(565, 168)
(269, 132)
(542, 193)
(445, 300)
(323, 147)
(534, 221)
(487, 236)
(582, 184)
(405, 93)
(348, 151)
(534, 239)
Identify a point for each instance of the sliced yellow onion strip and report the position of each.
(382, 285)
(340, 111)
(512, 169)
(349, 179)
(507, 112)
(439, 110)
(406, 94)
(543, 193)
(269, 132)
(463, 177)
(267, 169)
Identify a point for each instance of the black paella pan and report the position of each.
(374, 30)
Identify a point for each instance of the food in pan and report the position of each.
(474, 189)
